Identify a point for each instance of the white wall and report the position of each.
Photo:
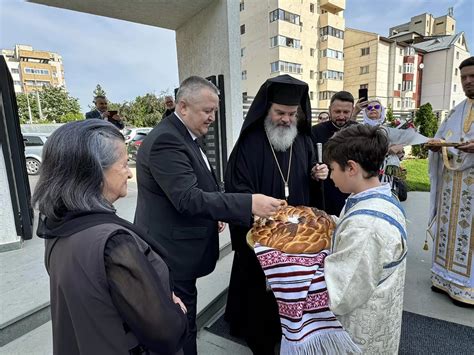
(209, 44)
(8, 237)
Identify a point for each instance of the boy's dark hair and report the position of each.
(363, 144)
(466, 62)
(342, 96)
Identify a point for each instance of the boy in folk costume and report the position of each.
(365, 273)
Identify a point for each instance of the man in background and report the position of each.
(101, 112)
(340, 113)
(170, 106)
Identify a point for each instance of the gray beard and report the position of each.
(281, 138)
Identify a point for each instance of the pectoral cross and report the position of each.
(287, 191)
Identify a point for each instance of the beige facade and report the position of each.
(32, 69)
(298, 38)
(428, 25)
(389, 70)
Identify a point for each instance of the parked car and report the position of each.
(130, 133)
(134, 144)
(34, 143)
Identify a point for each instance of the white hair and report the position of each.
(280, 137)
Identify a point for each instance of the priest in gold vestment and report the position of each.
(452, 199)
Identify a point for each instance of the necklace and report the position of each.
(287, 188)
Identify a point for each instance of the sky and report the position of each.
(130, 60)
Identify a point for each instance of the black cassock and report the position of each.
(334, 199)
(252, 310)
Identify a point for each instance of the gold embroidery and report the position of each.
(453, 219)
(469, 120)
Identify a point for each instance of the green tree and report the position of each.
(98, 91)
(427, 124)
(389, 115)
(22, 103)
(55, 102)
(69, 117)
(144, 111)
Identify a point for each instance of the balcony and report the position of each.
(333, 5)
(332, 42)
(329, 19)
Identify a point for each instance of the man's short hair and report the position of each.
(363, 144)
(99, 97)
(193, 85)
(342, 96)
(466, 62)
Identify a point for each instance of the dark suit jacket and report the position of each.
(179, 202)
(96, 114)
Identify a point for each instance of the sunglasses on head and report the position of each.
(370, 107)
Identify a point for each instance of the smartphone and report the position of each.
(363, 94)
(112, 113)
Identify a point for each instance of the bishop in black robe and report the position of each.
(252, 309)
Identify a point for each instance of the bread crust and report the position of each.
(295, 230)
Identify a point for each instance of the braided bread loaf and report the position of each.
(295, 230)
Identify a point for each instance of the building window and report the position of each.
(408, 68)
(398, 104)
(15, 71)
(454, 103)
(365, 51)
(417, 22)
(452, 27)
(407, 85)
(331, 31)
(326, 95)
(36, 71)
(456, 71)
(283, 15)
(311, 7)
(440, 23)
(409, 51)
(311, 94)
(242, 5)
(16, 82)
(311, 52)
(331, 74)
(331, 53)
(242, 29)
(285, 41)
(401, 51)
(242, 51)
(364, 86)
(244, 74)
(311, 74)
(399, 87)
(364, 69)
(457, 55)
(400, 69)
(454, 88)
(286, 67)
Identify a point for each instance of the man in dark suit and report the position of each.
(179, 202)
(340, 113)
(170, 106)
(101, 112)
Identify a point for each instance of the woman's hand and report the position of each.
(178, 301)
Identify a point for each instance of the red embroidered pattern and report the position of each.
(296, 309)
(276, 257)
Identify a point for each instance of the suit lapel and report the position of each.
(189, 141)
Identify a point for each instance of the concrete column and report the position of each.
(209, 44)
(9, 239)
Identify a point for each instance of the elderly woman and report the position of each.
(110, 290)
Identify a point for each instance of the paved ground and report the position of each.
(418, 297)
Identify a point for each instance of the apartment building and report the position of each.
(32, 69)
(425, 25)
(302, 38)
(441, 76)
(387, 68)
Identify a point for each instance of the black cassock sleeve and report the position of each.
(141, 298)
